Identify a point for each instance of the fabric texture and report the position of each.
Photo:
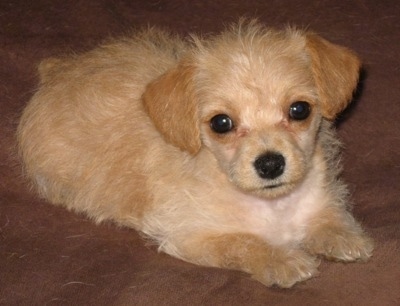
(49, 256)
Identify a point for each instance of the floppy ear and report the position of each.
(171, 104)
(336, 70)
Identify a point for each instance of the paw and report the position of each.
(287, 267)
(342, 245)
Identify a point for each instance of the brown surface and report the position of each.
(54, 257)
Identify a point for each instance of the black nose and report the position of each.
(270, 165)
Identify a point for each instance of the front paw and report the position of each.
(341, 245)
(287, 267)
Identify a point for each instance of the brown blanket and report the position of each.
(49, 256)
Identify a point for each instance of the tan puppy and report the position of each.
(220, 149)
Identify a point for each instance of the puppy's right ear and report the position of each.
(171, 104)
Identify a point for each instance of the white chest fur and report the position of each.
(283, 220)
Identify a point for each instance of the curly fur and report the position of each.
(123, 133)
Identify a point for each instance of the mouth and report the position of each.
(273, 186)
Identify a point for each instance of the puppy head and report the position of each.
(255, 98)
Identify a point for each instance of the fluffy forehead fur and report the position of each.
(261, 70)
(255, 64)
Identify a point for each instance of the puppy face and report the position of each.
(259, 112)
(256, 99)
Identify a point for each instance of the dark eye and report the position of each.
(221, 124)
(299, 110)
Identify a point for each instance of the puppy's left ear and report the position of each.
(336, 71)
(171, 104)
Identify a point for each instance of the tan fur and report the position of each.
(123, 133)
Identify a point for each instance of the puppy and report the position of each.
(221, 150)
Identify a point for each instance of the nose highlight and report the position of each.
(270, 165)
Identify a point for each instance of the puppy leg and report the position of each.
(337, 236)
(249, 253)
